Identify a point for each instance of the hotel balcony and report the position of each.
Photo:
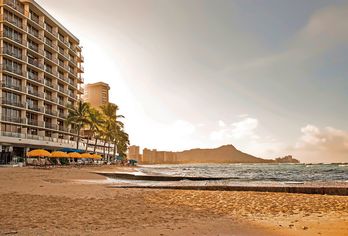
(51, 98)
(13, 22)
(51, 112)
(9, 52)
(51, 126)
(34, 122)
(35, 108)
(13, 86)
(13, 5)
(12, 69)
(35, 93)
(13, 103)
(11, 119)
(35, 78)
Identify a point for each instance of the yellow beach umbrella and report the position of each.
(86, 155)
(59, 154)
(96, 156)
(74, 155)
(39, 153)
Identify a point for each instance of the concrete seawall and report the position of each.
(340, 191)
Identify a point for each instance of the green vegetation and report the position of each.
(100, 124)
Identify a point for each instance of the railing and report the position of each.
(14, 5)
(35, 93)
(50, 98)
(50, 84)
(35, 108)
(62, 128)
(35, 62)
(35, 78)
(10, 20)
(51, 126)
(13, 86)
(51, 112)
(13, 103)
(35, 49)
(11, 69)
(10, 36)
(60, 114)
(12, 119)
(34, 122)
(12, 53)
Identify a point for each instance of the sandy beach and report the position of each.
(67, 201)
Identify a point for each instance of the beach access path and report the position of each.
(76, 201)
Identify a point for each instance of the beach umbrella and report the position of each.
(39, 153)
(96, 156)
(74, 155)
(86, 155)
(59, 154)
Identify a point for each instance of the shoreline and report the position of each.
(61, 201)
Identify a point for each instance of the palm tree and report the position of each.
(121, 143)
(95, 119)
(111, 124)
(77, 116)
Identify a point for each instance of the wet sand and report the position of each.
(56, 202)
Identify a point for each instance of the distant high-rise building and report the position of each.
(41, 76)
(97, 94)
(134, 153)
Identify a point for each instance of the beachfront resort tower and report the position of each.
(41, 76)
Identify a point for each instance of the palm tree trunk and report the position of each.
(109, 151)
(78, 138)
(87, 143)
(95, 144)
(104, 151)
(114, 149)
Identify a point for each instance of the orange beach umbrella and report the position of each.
(96, 156)
(39, 153)
(59, 154)
(86, 155)
(74, 155)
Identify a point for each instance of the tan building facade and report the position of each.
(152, 156)
(134, 153)
(41, 76)
(97, 94)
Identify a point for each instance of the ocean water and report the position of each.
(242, 173)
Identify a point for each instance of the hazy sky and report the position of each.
(268, 76)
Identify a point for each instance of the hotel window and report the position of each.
(11, 128)
(13, 66)
(33, 46)
(32, 103)
(61, 37)
(33, 89)
(61, 50)
(48, 27)
(48, 68)
(33, 16)
(16, 5)
(32, 74)
(33, 30)
(48, 41)
(48, 54)
(13, 34)
(13, 18)
(60, 100)
(11, 97)
(60, 87)
(9, 112)
(9, 80)
(13, 50)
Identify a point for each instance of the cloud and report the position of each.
(246, 135)
(237, 130)
(322, 145)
